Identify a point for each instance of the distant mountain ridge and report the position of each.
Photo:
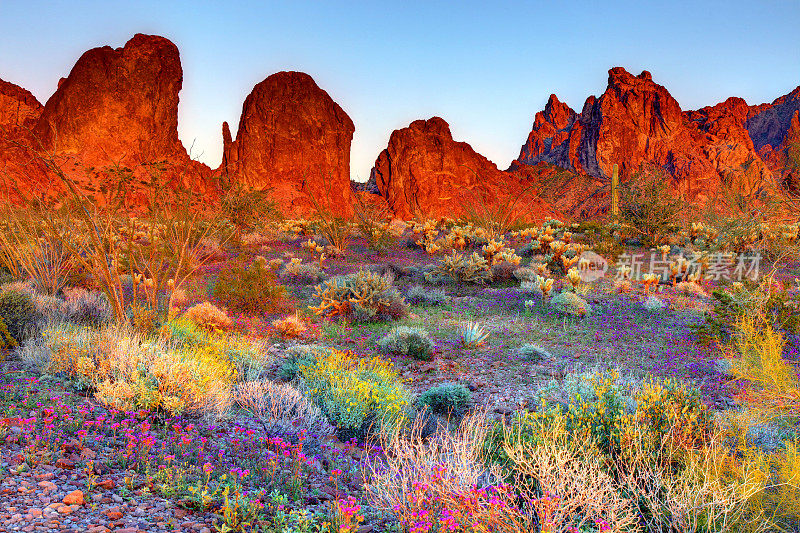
(121, 106)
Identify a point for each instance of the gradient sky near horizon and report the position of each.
(485, 67)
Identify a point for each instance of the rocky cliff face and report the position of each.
(424, 171)
(636, 121)
(116, 106)
(19, 171)
(294, 139)
(18, 107)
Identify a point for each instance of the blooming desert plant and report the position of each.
(355, 393)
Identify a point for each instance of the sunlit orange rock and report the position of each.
(636, 122)
(18, 107)
(294, 139)
(120, 106)
(423, 171)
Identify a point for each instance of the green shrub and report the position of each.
(250, 289)
(184, 332)
(531, 352)
(7, 342)
(419, 295)
(361, 297)
(569, 303)
(648, 208)
(298, 356)
(19, 313)
(450, 399)
(404, 340)
(359, 396)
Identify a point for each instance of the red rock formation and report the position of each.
(424, 171)
(19, 111)
(18, 107)
(294, 139)
(768, 124)
(120, 106)
(637, 121)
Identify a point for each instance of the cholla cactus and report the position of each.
(649, 280)
(574, 278)
(545, 285)
(471, 269)
(472, 335)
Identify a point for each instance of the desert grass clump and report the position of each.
(89, 308)
(419, 295)
(449, 399)
(250, 288)
(208, 317)
(360, 297)
(359, 396)
(532, 352)
(281, 408)
(409, 341)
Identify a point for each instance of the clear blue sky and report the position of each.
(485, 67)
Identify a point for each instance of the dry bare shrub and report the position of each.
(281, 408)
(27, 247)
(441, 480)
(566, 482)
(256, 238)
(711, 490)
(209, 317)
(179, 298)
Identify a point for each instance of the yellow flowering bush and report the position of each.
(129, 373)
(355, 392)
